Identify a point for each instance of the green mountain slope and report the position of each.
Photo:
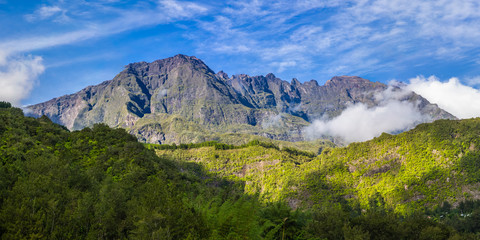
(101, 183)
(418, 169)
(97, 183)
(423, 167)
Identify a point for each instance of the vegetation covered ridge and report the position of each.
(424, 167)
(223, 146)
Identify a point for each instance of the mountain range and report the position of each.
(181, 100)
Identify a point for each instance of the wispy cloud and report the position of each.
(174, 9)
(344, 37)
(281, 66)
(18, 74)
(45, 12)
(164, 12)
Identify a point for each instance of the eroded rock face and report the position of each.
(185, 87)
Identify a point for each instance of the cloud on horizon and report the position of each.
(18, 76)
(19, 73)
(358, 122)
(454, 97)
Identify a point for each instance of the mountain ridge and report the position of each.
(184, 86)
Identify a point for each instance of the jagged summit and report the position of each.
(222, 75)
(162, 66)
(180, 98)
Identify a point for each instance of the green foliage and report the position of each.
(223, 146)
(420, 168)
(470, 163)
(215, 144)
(94, 183)
(281, 222)
(414, 170)
(174, 146)
(5, 104)
(100, 183)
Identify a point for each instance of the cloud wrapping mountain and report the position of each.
(360, 122)
(458, 99)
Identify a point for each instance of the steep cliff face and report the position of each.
(178, 85)
(180, 99)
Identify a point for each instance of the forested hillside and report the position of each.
(100, 183)
(418, 169)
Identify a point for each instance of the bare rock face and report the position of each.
(180, 99)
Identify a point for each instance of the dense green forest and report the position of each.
(101, 183)
(416, 170)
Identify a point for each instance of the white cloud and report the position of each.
(281, 66)
(473, 81)
(382, 30)
(176, 9)
(452, 96)
(46, 12)
(360, 123)
(272, 121)
(164, 12)
(18, 76)
(393, 114)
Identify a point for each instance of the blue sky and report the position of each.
(50, 48)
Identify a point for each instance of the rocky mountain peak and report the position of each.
(163, 66)
(295, 82)
(270, 76)
(311, 83)
(222, 75)
(181, 59)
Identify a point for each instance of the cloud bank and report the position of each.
(360, 123)
(393, 114)
(452, 96)
(18, 76)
